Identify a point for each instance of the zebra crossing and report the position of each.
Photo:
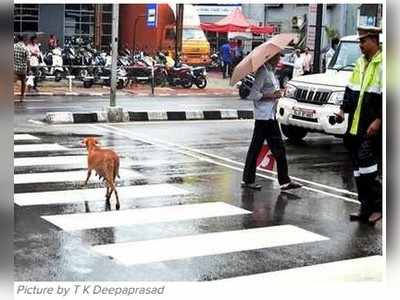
(142, 252)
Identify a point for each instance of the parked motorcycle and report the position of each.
(52, 65)
(101, 73)
(199, 77)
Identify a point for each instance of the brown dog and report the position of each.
(106, 164)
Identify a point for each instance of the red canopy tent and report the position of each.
(236, 22)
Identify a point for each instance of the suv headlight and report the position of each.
(290, 91)
(336, 98)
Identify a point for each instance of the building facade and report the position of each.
(91, 22)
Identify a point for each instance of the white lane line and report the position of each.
(359, 269)
(176, 148)
(70, 222)
(50, 160)
(82, 160)
(143, 252)
(97, 194)
(68, 176)
(24, 136)
(37, 122)
(39, 147)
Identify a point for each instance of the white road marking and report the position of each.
(38, 147)
(187, 151)
(159, 250)
(24, 136)
(37, 122)
(97, 194)
(82, 160)
(70, 222)
(351, 270)
(68, 176)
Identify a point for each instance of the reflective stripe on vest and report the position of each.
(369, 80)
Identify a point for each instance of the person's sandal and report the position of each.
(290, 186)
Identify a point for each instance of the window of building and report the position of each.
(79, 21)
(106, 21)
(26, 18)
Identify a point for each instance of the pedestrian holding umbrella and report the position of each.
(265, 93)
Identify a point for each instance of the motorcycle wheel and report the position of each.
(187, 83)
(58, 76)
(160, 79)
(201, 82)
(87, 84)
(244, 92)
(120, 84)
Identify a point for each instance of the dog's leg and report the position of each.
(107, 192)
(89, 172)
(116, 196)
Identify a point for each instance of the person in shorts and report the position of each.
(21, 63)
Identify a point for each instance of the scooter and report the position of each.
(52, 65)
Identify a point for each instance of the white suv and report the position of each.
(311, 100)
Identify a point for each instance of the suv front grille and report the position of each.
(312, 96)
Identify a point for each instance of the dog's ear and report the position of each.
(96, 141)
(84, 142)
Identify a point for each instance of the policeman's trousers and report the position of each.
(365, 167)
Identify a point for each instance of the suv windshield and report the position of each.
(345, 56)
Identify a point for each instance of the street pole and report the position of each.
(114, 57)
(179, 28)
(318, 34)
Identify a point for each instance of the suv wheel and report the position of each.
(294, 133)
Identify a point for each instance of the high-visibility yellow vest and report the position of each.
(366, 78)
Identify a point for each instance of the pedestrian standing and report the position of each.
(21, 63)
(331, 52)
(52, 42)
(265, 93)
(35, 58)
(307, 61)
(363, 103)
(237, 53)
(297, 64)
(226, 59)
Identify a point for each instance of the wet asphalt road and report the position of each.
(203, 160)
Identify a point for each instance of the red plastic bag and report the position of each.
(265, 159)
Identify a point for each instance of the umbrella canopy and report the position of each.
(260, 55)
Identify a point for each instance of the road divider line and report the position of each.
(38, 147)
(24, 137)
(68, 176)
(82, 161)
(96, 194)
(140, 216)
(188, 151)
(184, 247)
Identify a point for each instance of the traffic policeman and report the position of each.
(363, 102)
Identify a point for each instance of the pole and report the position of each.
(318, 33)
(179, 28)
(114, 57)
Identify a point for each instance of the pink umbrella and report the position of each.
(260, 55)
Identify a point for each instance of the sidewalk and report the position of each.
(216, 86)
